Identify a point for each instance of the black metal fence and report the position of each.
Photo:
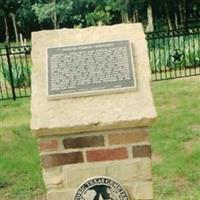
(174, 54)
(15, 71)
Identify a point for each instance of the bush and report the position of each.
(21, 75)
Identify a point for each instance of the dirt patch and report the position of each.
(7, 137)
(168, 106)
(191, 144)
(4, 194)
(195, 127)
(177, 183)
(156, 158)
(180, 183)
(42, 197)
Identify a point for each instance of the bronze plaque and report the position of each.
(90, 69)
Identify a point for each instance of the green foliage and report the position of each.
(10, 5)
(48, 11)
(21, 75)
(98, 18)
(25, 15)
(34, 15)
(44, 11)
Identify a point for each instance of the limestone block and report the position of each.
(61, 195)
(139, 169)
(73, 177)
(98, 112)
(53, 177)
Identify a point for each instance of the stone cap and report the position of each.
(99, 112)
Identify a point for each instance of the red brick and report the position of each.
(81, 142)
(141, 151)
(52, 160)
(107, 154)
(49, 145)
(137, 135)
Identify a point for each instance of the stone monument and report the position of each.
(91, 110)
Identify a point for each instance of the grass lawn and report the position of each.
(20, 173)
(175, 140)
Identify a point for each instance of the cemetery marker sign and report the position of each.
(90, 69)
(101, 188)
(86, 143)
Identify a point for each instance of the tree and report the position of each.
(25, 16)
(54, 12)
(15, 27)
(167, 12)
(100, 14)
(9, 8)
(5, 17)
(150, 25)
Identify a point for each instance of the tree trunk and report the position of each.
(168, 16)
(6, 29)
(54, 15)
(136, 13)
(21, 39)
(132, 11)
(134, 17)
(132, 7)
(122, 14)
(15, 27)
(186, 13)
(181, 13)
(150, 27)
(176, 20)
(125, 17)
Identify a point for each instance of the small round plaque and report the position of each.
(177, 56)
(101, 188)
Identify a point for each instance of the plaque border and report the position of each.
(91, 92)
(105, 177)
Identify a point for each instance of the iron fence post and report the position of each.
(10, 71)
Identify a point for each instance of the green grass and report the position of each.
(20, 172)
(175, 141)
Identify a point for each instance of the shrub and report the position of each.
(21, 75)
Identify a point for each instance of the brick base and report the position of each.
(122, 154)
